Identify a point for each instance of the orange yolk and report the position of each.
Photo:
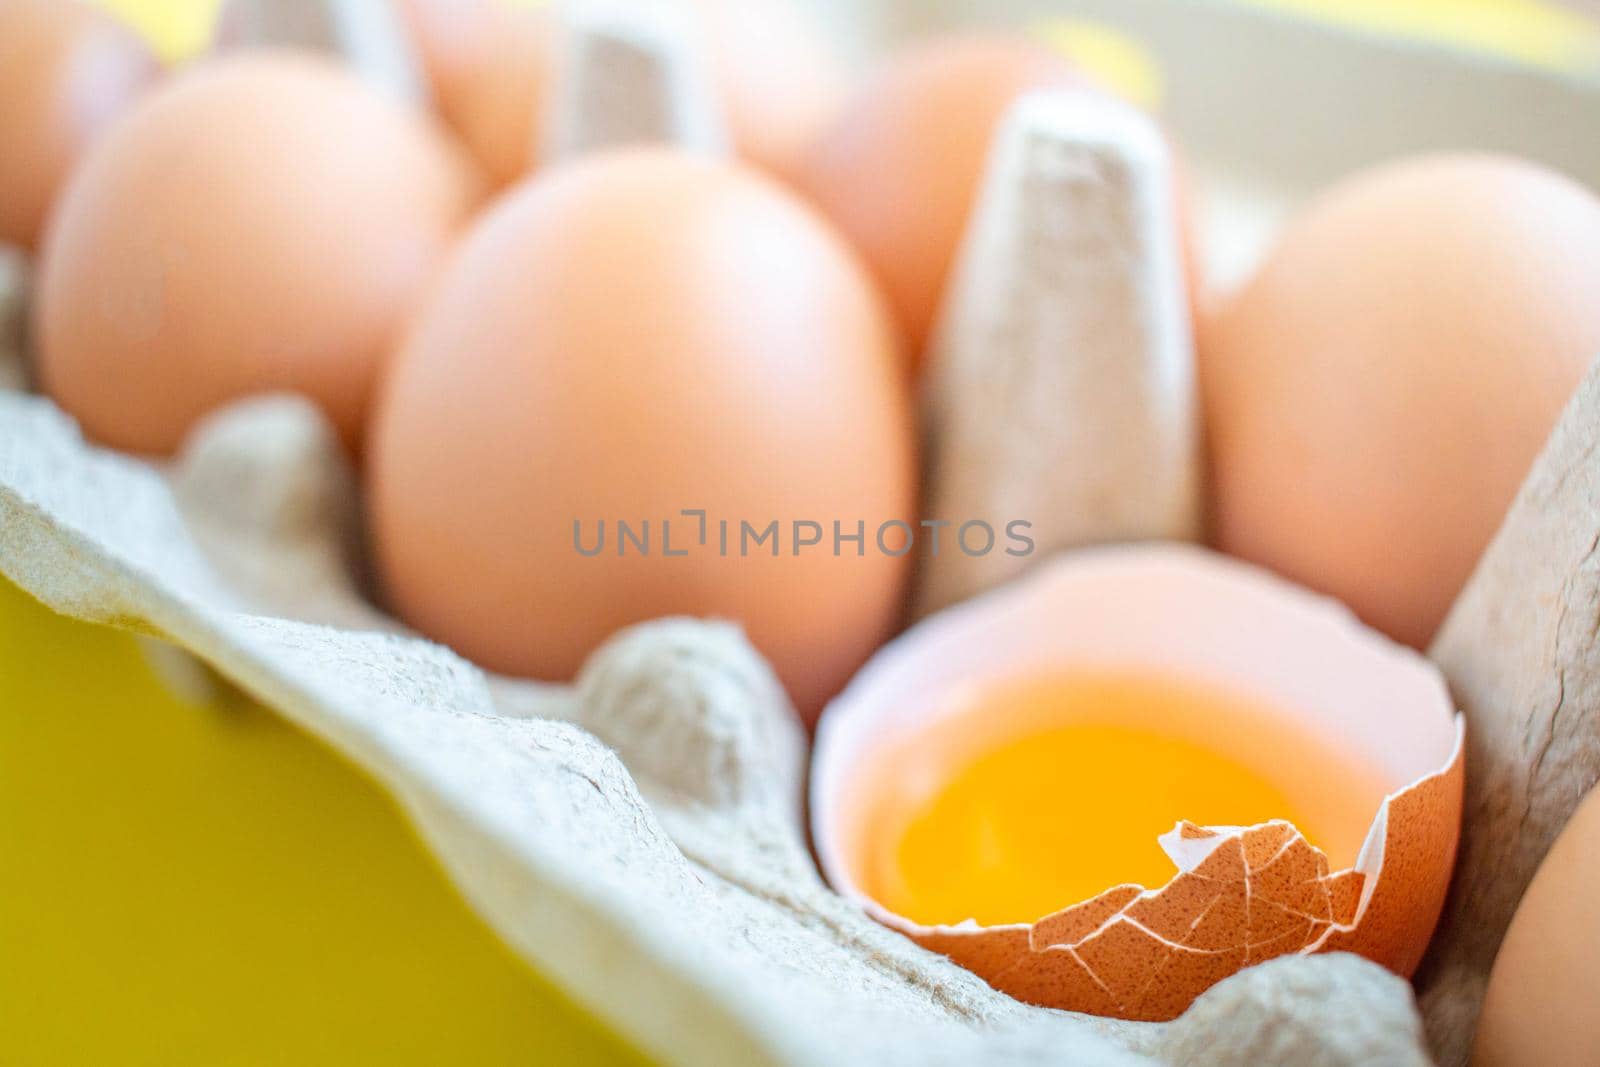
(1039, 795)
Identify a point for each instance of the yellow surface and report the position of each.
(1107, 56)
(187, 884)
(177, 28)
(1529, 31)
(1050, 792)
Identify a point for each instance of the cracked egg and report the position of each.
(1136, 771)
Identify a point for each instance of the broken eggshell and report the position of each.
(1146, 953)
(754, 958)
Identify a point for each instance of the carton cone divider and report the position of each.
(1520, 654)
(1061, 381)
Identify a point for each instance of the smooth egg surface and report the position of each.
(490, 64)
(899, 168)
(262, 222)
(66, 70)
(632, 337)
(1539, 1007)
(1376, 394)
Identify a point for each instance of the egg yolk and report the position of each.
(1037, 796)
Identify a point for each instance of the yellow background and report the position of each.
(204, 884)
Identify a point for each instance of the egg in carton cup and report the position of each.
(638, 834)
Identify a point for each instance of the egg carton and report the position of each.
(637, 835)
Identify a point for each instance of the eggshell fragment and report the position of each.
(1241, 895)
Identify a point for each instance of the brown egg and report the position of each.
(625, 338)
(899, 169)
(262, 222)
(1376, 394)
(65, 70)
(780, 81)
(491, 65)
(1540, 1003)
